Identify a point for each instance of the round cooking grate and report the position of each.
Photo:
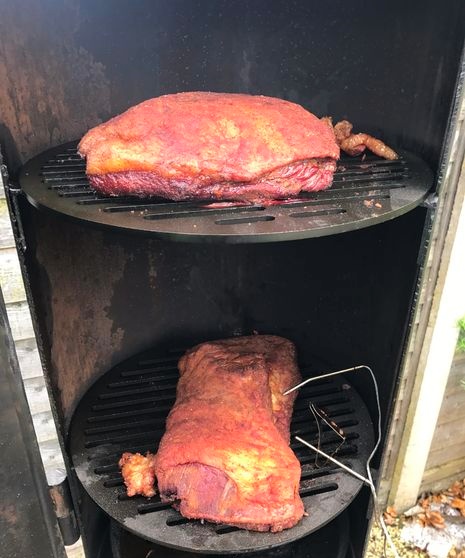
(125, 410)
(364, 192)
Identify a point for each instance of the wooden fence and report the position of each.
(446, 460)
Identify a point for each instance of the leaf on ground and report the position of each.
(390, 515)
(456, 489)
(388, 519)
(458, 504)
(424, 503)
(431, 518)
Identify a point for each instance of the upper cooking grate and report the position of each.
(364, 192)
(126, 409)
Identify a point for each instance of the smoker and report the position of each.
(119, 288)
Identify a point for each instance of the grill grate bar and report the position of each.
(368, 162)
(124, 438)
(308, 472)
(202, 212)
(123, 426)
(312, 472)
(310, 429)
(141, 204)
(72, 193)
(118, 404)
(114, 456)
(63, 176)
(155, 506)
(97, 199)
(62, 168)
(115, 479)
(321, 489)
(161, 368)
(133, 413)
(65, 157)
(303, 401)
(138, 381)
(128, 204)
(344, 187)
(66, 187)
(135, 391)
(112, 483)
(374, 177)
(375, 169)
(173, 359)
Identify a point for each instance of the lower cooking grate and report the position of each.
(365, 191)
(125, 410)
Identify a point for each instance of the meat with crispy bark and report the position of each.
(138, 473)
(204, 145)
(225, 456)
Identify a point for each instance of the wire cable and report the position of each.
(369, 478)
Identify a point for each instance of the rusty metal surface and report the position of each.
(63, 506)
(27, 523)
(49, 84)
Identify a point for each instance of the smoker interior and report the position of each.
(101, 296)
(104, 296)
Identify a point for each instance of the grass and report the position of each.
(461, 339)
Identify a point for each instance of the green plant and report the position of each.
(461, 339)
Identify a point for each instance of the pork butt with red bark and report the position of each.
(221, 146)
(225, 456)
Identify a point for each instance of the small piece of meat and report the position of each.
(138, 473)
(342, 130)
(355, 144)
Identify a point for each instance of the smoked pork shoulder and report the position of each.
(215, 146)
(225, 455)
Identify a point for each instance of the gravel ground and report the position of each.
(436, 522)
(376, 546)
